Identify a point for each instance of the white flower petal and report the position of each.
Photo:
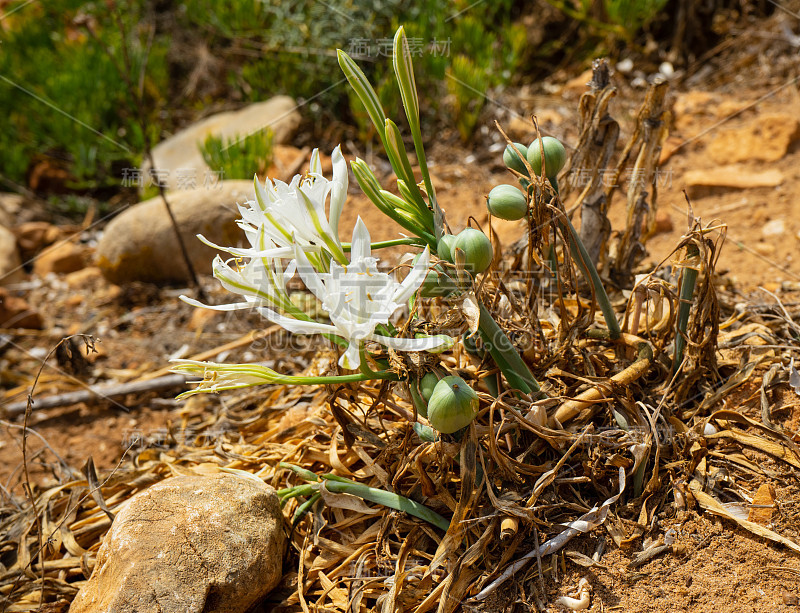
(236, 306)
(309, 275)
(298, 326)
(429, 343)
(339, 191)
(315, 165)
(361, 247)
(351, 358)
(414, 278)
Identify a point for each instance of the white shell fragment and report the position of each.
(583, 599)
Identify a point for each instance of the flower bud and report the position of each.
(477, 248)
(513, 161)
(555, 156)
(507, 202)
(453, 405)
(444, 248)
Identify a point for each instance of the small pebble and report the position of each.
(789, 599)
(625, 66)
(666, 69)
(776, 227)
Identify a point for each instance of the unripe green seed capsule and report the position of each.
(477, 249)
(453, 405)
(419, 402)
(444, 248)
(507, 202)
(437, 283)
(512, 159)
(427, 385)
(555, 156)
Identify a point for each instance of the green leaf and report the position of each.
(361, 85)
(339, 485)
(404, 71)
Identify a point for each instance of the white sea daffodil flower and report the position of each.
(292, 215)
(358, 297)
(261, 281)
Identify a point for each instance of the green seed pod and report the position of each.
(453, 405)
(437, 283)
(419, 402)
(477, 248)
(555, 156)
(427, 384)
(513, 161)
(507, 202)
(444, 248)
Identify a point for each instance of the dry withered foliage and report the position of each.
(621, 438)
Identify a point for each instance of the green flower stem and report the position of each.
(302, 472)
(306, 489)
(505, 355)
(396, 242)
(688, 282)
(340, 485)
(581, 257)
(305, 508)
(331, 379)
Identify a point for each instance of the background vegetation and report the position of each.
(74, 75)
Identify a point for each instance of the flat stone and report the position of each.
(733, 176)
(766, 138)
(190, 544)
(178, 159)
(774, 228)
(34, 236)
(139, 244)
(60, 259)
(86, 277)
(10, 263)
(15, 312)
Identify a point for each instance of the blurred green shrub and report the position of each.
(63, 97)
(239, 158)
(620, 19)
(290, 47)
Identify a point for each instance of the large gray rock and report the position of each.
(192, 544)
(178, 159)
(10, 264)
(139, 244)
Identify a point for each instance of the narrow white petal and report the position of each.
(429, 343)
(261, 194)
(360, 248)
(351, 358)
(297, 326)
(414, 278)
(236, 306)
(315, 166)
(339, 193)
(309, 275)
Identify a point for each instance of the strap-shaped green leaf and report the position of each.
(361, 85)
(404, 71)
